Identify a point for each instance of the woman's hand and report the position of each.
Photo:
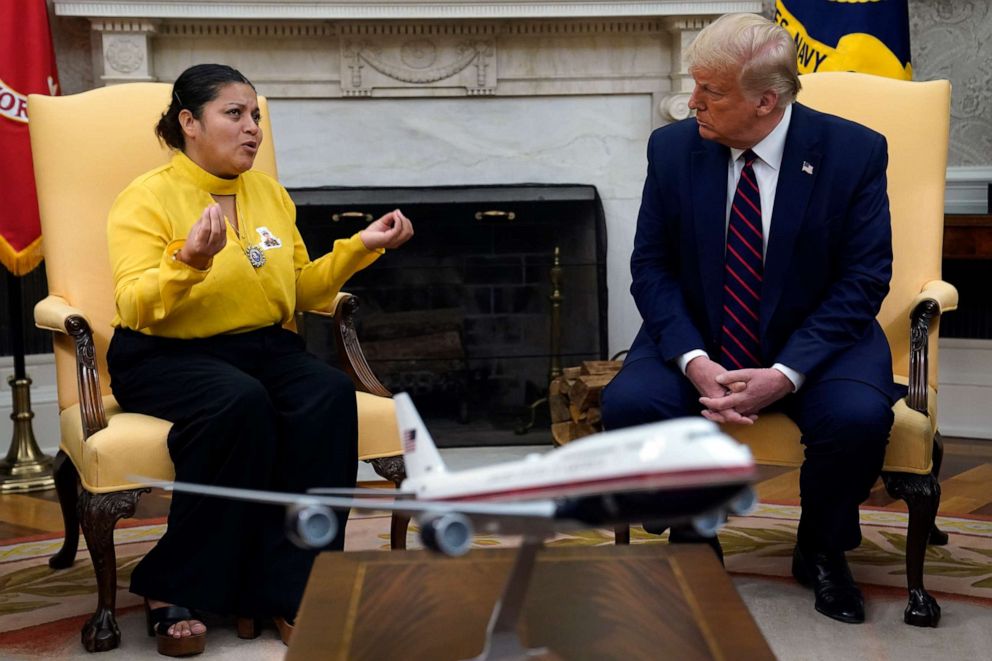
(391, 231)
(206, 238)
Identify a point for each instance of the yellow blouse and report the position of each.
(159, 295)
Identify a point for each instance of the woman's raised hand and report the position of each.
(391, 231)
(206, 238)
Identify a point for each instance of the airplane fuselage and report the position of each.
(666, 456)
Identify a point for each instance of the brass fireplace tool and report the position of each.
(554, 370)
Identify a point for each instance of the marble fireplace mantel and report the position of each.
(321, 49)
(403, 10)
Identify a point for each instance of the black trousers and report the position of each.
(845, 427)
(251, 410)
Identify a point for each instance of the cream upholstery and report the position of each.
(914, 117)
(87, 148)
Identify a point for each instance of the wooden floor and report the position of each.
(966, 485)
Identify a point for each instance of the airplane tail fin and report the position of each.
(419, 452)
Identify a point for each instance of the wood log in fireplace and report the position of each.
(574, 399)
(419, 351)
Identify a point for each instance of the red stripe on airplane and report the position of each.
(637, 482)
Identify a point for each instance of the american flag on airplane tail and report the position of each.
(409, 441)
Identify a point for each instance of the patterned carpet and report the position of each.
(36, 601)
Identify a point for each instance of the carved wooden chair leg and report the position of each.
(937, 536)
(394, 470)
(397, 531)
(922, 496)
(100, 513)
(67, 487)
(621, 534)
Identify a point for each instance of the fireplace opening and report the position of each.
(463, 316)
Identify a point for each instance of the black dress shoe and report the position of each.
(827, 573)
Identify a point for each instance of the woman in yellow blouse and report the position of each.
(208, 266)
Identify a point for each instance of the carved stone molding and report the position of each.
(683, 30)
(255, 30)
(127, 53)
(417, 58)
(398, 10)
(674, 107)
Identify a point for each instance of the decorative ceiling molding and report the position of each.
(401, 10)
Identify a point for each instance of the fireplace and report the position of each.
(461, 316)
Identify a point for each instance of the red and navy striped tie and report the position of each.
(740, 347)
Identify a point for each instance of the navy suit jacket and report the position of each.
(827, 265)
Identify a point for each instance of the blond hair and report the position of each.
(761, 51)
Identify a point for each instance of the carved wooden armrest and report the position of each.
(55, 314)
(350, 353)
(936, 297)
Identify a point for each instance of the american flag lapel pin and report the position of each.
(807, 167)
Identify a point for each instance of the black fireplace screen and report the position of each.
(461, 316)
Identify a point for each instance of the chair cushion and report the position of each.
(378, 433)
(135, 444)
(131, 444)
(774, 438)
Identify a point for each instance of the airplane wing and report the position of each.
(481, 512)
(362, 492)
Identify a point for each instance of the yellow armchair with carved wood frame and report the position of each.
(86, 148)
(914, 117)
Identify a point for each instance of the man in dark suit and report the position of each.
(761, 258)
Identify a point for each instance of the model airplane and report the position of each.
(680, 471)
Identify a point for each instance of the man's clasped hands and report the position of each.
(735, 396)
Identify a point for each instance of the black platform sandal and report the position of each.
(160, 619)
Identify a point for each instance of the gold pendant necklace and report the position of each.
(256, 257)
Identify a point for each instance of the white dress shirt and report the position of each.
(766, 168)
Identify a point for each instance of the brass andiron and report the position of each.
(26, 467)
(554, 369)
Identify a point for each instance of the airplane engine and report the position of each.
(450, 534)
(310, 526)
(708, 523)
(744, 503)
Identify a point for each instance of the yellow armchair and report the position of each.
(87, 148)
(914, 117)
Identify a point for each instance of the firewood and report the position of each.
(575, 413)
(572, 372)
(446, 344)
(601, 366)
(594, 415)
(586, 389)
(559, 408)
(400, 325)
(566, 432)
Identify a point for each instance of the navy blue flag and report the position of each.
(870, 36)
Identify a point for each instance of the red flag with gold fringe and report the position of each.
(27, 66)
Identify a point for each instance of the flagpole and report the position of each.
(26, 467)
